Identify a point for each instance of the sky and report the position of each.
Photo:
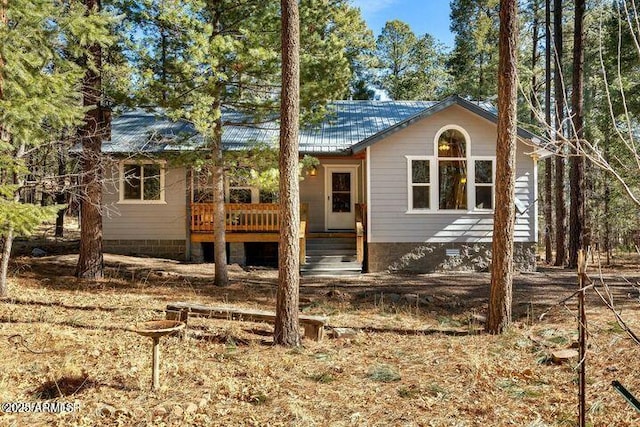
(423, 16)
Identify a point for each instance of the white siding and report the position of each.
(390, 221)
(166, 221)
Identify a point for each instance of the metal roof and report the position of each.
(349, 128)
(151, 131)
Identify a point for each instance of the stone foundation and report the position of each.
(170, 249)
(439, 257)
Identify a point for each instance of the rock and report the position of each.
(177, 411)
(106, 410)
(478, 318)
(167, 274)
(236, 268)
(191, 408)
(411, 298)
(159, 411)
(343, 333)
(394, 298)
(337, 295)
(37, 252)
(122, 411)
(138, 413)
(561, 356)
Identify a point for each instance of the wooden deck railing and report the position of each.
(242, 217)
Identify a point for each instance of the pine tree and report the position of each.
(559, 98)
(287, 328)
(39, 98)
(500, 298)
(577, 163)
(90, 260)
(410, 67)
(474, 60)
(548, 162)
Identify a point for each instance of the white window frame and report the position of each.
(142, 201)
(472, 187)
(410, 184)
(434, 178)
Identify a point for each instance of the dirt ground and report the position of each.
(416, 356)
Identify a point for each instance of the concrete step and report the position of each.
(354, 265)
(330, 259)
(340, 247)
(330, 252)
(330, 273)
(323, 241)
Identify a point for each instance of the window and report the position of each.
(452, 172)
(236, 191)
(452, 143)
(267, 196)
(420, 182)
(142, 182)
(452, 179)
(239, 195)
(452, 176)
(483, 184)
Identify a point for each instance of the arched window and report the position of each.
(452, 147)
(452, 179)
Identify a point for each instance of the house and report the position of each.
(401, 186)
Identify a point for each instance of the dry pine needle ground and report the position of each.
(67, 341)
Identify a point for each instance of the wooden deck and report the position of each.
(260, 222)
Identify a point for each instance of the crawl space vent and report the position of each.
(453, 252)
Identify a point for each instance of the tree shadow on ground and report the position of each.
(446, 294)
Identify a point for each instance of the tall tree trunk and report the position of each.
(500, 297)
(6, 240)
(91, 261)
(287, 329)
(163, 58)
(217, 156)
(607, 204)
(9, 235)
(548, 163)
(219, 235)
(61, 194)
(559, 96)
(576, 212)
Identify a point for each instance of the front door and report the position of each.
(340, 191)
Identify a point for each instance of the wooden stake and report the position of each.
(582, 338)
